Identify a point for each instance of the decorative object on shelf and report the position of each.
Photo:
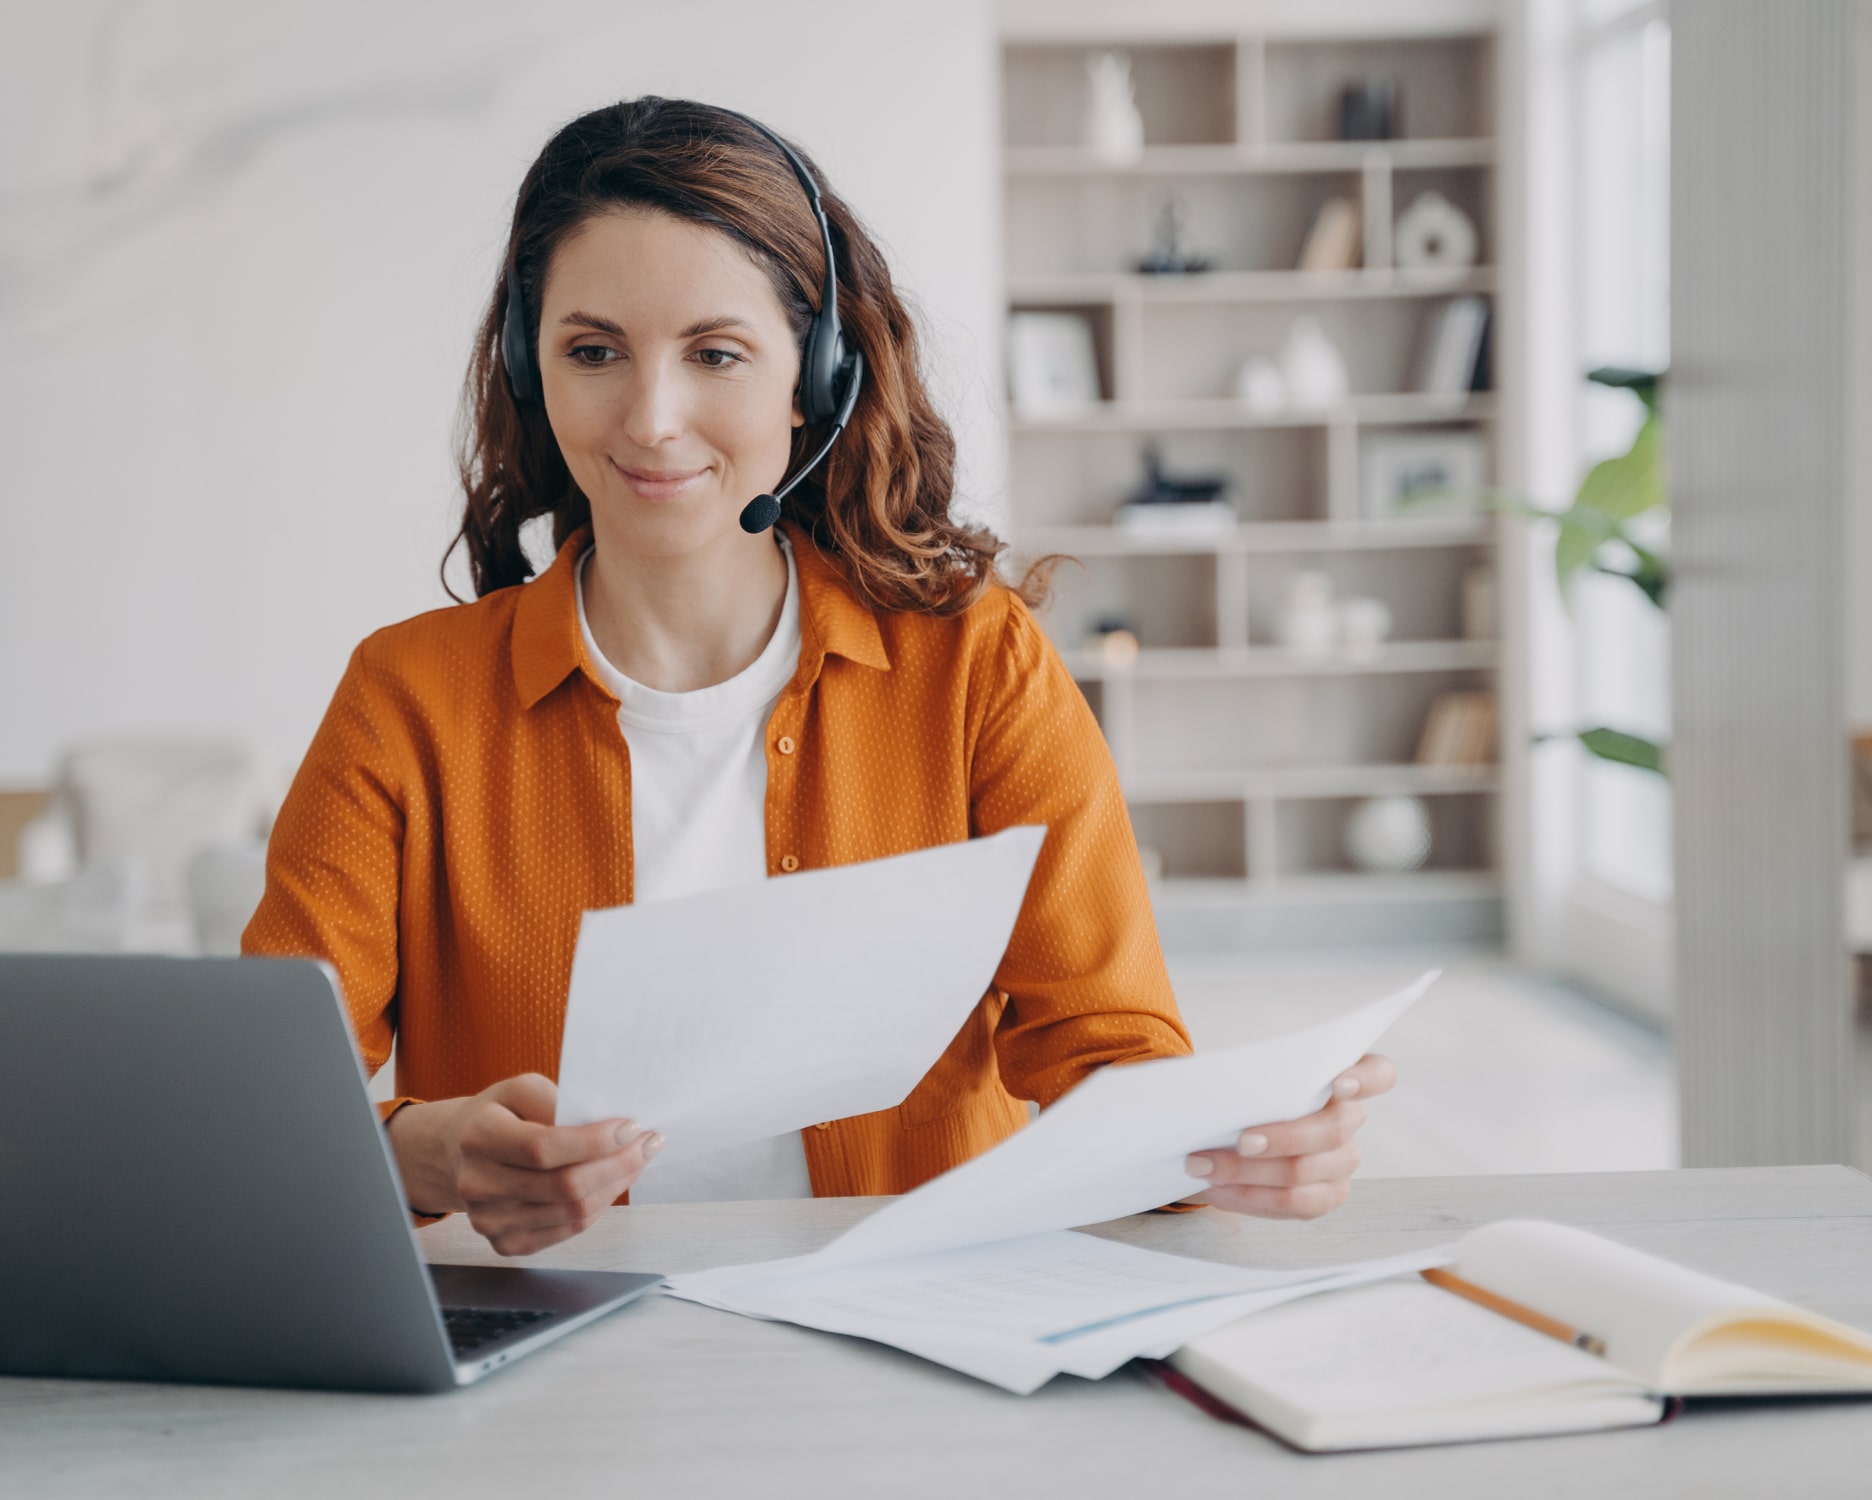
(1388, 835)
(1168, 256)
(1114, 130)
(1368, 110)
(1433, 239)
(1309, 625)
(1422, 474)
(1364, 626)
(1450, 349)
(1862, 790)
(1459, 730)
(1481, 603)
(1201, 505)
(1052, 366)
(1313, 367)
(1332, 239)
(1261, 386)
(1114, 639)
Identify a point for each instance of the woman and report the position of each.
(685, 699)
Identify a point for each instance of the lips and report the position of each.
(660, 484)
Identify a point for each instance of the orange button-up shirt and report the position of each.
(467, 797)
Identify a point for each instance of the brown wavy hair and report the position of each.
(879, 504)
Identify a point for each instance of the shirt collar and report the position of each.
(548, 646)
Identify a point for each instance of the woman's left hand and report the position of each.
(1298, 1169)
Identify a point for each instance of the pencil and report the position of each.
(1539, 1322)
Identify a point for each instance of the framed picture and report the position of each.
(1052, 365)
(1445, 468)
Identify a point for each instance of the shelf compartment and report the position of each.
(1191, 352)
(1443, 85)
(1309, 835)
(1185, 92)
(1079, 479)
(1284, 158)
(1092, 288)
(1304, 783)
(1254, 537)
(1391, 409)
(1225, 663)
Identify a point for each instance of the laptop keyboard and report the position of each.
(471, 1327)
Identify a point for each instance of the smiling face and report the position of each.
(668, 367)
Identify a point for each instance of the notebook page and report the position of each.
(1401, 1361)
(1640, 1306)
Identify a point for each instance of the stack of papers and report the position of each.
(1018, 1312)
(973, 1270)
(718, 1020)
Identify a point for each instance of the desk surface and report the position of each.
(665, 1398)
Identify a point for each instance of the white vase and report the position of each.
(1310, 624)
(1261, 386)
(1312, 366)
(1364, 625)
(1113, 127)
(1388, 835)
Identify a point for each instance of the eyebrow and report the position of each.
(694, 330)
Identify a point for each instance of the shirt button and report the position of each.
(785, 745)
(789, 863)
(823, 1125)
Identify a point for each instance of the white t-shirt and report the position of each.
(699, 822)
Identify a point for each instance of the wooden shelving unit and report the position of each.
(1241, 758)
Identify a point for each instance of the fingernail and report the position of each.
(1199, 1166)
(1251, 1145)
(653, 1143)
(628, 1131)
(1345, 1088)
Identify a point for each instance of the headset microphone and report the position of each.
(763, 510)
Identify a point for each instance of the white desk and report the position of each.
(669, 1399)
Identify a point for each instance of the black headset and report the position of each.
(830, 372)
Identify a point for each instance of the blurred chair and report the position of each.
(148, 806)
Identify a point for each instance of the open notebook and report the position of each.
(1405, 1362)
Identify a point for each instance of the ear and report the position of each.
(799, 417)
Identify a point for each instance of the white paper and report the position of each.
(741, 1013)
(1116, 1144)
(971, 1270)
(1017, 1312)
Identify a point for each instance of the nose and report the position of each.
(655, 410)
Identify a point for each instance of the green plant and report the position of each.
(1599, 532)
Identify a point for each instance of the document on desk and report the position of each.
(1016, 1313)
(972, 1270)
(745, 1012)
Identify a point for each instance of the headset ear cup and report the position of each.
(815, 388)
(516, 354)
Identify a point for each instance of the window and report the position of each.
(1622, 151)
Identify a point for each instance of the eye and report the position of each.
(591, 355)
(727, 357)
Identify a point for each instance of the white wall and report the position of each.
(242, 251)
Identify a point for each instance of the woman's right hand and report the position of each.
(524, 1182)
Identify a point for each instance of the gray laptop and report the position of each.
(194, 1186)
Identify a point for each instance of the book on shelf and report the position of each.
(1532, 1328)
(1332, 240)
(1459, 730)
(1450, 350)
